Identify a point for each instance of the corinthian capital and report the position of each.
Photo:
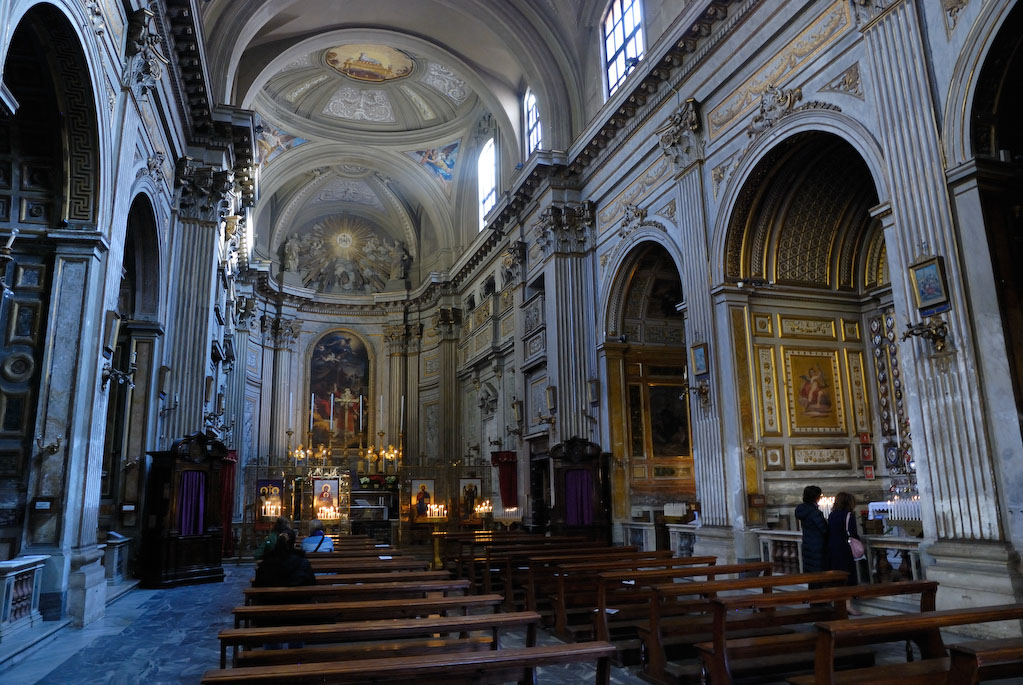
(566, 229)
(679, 136)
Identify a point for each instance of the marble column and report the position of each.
(565, 234)
(64, 481)
(951, 443)
(194, 263)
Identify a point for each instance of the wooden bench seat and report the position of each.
(680, 615)
(377, 630)
(922, 628)
(364, 650)
(348, 565)
(384, 576)
(726, 656)
(283, 614)
(382, 590)
(430, 669)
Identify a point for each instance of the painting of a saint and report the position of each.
(814, 393)
(339, 371)
(441, 161)
(422, 497)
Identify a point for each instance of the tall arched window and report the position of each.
(533, 132)
(623, 41)
(486, 172)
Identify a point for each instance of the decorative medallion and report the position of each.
(365, 62)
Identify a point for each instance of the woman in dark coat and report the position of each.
(285, 566)
(815, 530)
(841, 527)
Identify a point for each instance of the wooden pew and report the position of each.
(473, 551)
(626, 594)
(343, 565)
(717, 656)
(383, 576)
(479, 567)
(283, 614)
(457, 546)
(973, 661)
(383, 590)
(680, 615)
(360, 553)
(502, 665)
(502, 565)
(376, 630)
(577, 585)
(923, 628)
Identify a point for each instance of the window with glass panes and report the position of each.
(532, 123)
(486, 172)
(623, 41)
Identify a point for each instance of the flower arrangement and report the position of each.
(364, 481)
(391, 481)
(376, 480)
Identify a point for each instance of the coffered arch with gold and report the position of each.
(815, 332)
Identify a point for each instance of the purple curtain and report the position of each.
(578, 492)
(192, 502)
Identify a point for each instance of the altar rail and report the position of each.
(21, 579)
(889, 558)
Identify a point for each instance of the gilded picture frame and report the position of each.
(930, 287)
(701, 359)
(816, 398)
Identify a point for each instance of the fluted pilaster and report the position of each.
(949, 438)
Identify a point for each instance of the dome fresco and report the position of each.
(367, 86)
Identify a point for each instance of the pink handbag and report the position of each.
(858, 551)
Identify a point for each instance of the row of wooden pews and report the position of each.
(387, 621)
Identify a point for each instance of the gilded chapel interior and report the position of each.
(637, 271)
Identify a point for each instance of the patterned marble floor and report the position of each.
(170, 636)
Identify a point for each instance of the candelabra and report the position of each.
(934, 329)
(550, 419)
(330, 513)
(110, 373)
(436, 511)
(270, 509)
(483, 508)
(701, 390)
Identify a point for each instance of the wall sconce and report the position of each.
(112, 326)
(513, 430)
(171, 407)
(552, 397)
(753, 284)
(549, 419)
(934, 329)
(5, 259)
(163, 381)
(110, 373)
(701, 389)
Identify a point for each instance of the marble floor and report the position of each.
(170, 636)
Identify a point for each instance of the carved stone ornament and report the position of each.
(565, 229)
(847, 82)
(203, 190)
(776, 104)
(145, 62)
(678, 137)
(868, 9)
(153, 167)
(952, 9)
(281, 331)
(512, 262)
(96, 19)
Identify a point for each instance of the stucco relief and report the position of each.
(446, 82)
(360, 105)
(348, 190)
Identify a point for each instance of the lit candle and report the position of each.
(10, 239)
(312, 406)
(331, 412)
(360, 414)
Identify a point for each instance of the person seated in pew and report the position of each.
(317, 540)
(285, 566)
(282, 524)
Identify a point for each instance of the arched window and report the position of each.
(533, 132)
(486, 172)
(623, 41)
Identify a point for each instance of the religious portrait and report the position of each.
(469, 492)
(441, 161)
(368, 62)
(325, 497)
(669, 422)
(269, 498)
(339, 389)
(701, 364)
(422, 496)
(815, 396)
(930, 291)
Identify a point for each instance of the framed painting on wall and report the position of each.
(701, 362)
(422, 496)
(930, 289)
(470, 493)
(815, 395)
